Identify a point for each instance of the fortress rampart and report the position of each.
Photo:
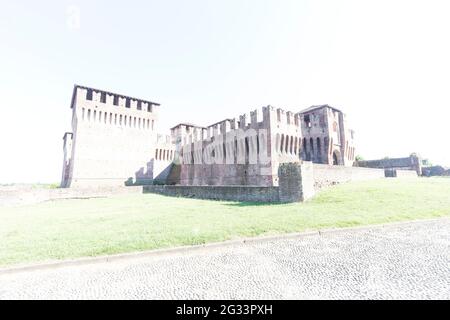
(238, 152)
(114, 142)
(113, 137)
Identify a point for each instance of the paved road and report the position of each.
(395, 262)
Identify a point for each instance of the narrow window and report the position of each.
(257, 144)
(116, 100)
(95, 115)
(127, 103)
(235, 150)
(306, 152)
(319, 151)
(120, 120)
(286, 147)
(287, 144)
(149, 108)
(103, 97)
(89, 94)
(153, 124)
(282, 143)
(292, 145)
(224, 152)
(139, 123)
(247, 150)
(156, 154)
(308, 121)
(89, 115)
(110, 118)
(139, 105)
(82, 113)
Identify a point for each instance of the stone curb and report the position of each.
(188, 249)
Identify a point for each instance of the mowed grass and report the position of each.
(78, 228)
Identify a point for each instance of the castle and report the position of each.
(114, 142)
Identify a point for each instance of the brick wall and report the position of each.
(325, 175)
(226, 193)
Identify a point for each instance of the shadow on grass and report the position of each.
(228, 203)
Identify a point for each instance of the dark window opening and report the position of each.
(127, 103)
(116, 101)
(308, 120)
(319, 151)
(247, 150)
(286, 147)
(335, 159)
(89, 95)
(139, 105)
(257, 144)
(103, 97)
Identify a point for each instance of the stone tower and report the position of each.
(326, 136)
(112, 141)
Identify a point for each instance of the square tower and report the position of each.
(326, 136)
(112, 140)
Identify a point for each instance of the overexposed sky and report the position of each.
(384, 63)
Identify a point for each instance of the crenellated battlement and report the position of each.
(274, 120)
(83, 94)
(265, 118)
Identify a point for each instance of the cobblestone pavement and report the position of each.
(399, 261)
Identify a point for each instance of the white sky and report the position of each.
(385, 63)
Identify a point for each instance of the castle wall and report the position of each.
(224, 193)
(163, 158)
(113, 139)
(408, 163)
(247, 151)
(328, 175)
(296, 185)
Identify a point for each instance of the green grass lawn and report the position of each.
(77, 228)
